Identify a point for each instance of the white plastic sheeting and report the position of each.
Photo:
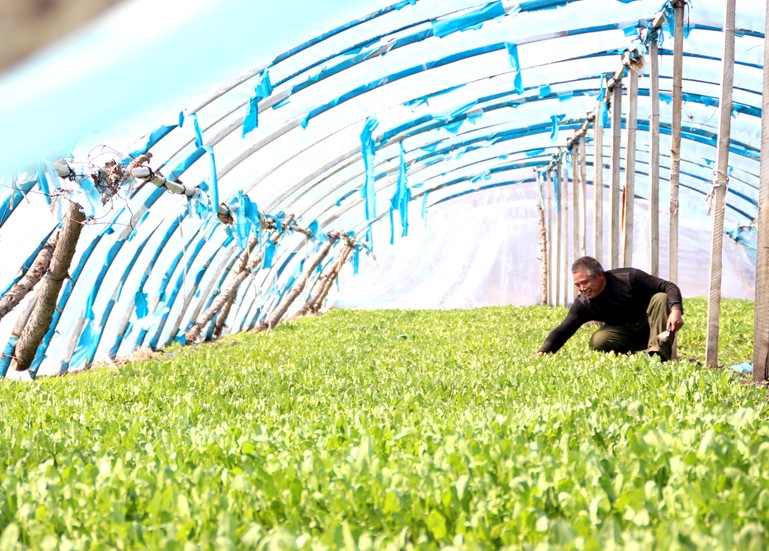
(448, 104)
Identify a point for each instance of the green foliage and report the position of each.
(393, 430)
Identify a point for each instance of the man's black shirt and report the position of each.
(623, 301)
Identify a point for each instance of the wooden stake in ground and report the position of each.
(41, 316)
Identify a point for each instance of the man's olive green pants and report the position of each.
(639, 336)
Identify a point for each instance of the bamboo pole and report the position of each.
(654, 160)
(614, 186)
(718, 193)
(582, 197)
(598, 186)
(35, 273)
(45, 305)
(675, 134)
(630, 156)
(761, 317)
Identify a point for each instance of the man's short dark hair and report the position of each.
(587, 264)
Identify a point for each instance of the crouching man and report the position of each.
(639, 311)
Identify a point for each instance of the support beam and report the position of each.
(630, 156)
(614, 186)
(718, 193)
(575, 201)
(654, 160)
(582, 197)
(296, 290)
(761, 325)
(542, 242)
(558, 232)
(549, 230)
(675, 136)
(232, 288)
(598, 186)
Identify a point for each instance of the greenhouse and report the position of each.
(307, 256)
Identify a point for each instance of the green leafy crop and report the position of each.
(394, 429)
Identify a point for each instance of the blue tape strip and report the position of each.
(7, 356)
(269, 254)
(512, 53)
(368, 149)
(467, 21)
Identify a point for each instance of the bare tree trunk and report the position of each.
(35, 273)
(194, 332)
(299, 286)
(45, 305)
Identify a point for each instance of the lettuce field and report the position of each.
(394, 430)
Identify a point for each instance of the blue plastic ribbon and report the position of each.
(5, 359)
(515, 63)
(556, 119)
(269, 254)
(400, 199)
(467, 21)
(368, 149)
(154, 137)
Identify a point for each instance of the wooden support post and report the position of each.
(654, 161)
(45, 305)
(542, 242)
(598, 186)
(575, 202)
(325, 281)
(193, 333)
(549, 218)
(718, 193)
(630, 156)
(34, 274)
(675, 136)
(558, 232)
(221, 319)
(761, 316)
(582, 197)
(614, 186)
(296, 290)
(566, 240)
